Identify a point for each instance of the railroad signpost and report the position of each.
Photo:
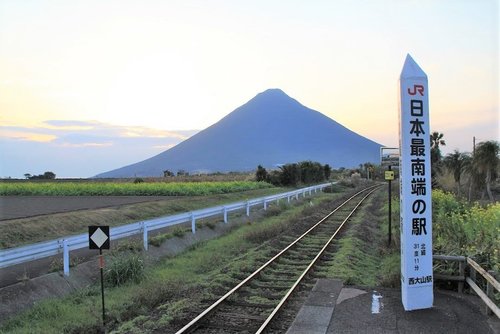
(389, 159)
(415, 189)
(99, 239)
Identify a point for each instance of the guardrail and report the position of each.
(13, 256)
(491, 282)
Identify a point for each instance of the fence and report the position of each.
(474, 268)
(13, 256)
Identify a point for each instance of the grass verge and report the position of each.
(362, 256)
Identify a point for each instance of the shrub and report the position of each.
(124, 268)
(261, 174)
(466, 230)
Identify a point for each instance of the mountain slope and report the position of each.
(270, 129)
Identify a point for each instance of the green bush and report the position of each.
(124, 268)
(459, 229)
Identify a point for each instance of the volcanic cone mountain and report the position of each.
(270, 129)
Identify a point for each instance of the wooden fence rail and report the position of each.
(474, 268)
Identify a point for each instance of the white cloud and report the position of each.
(73, 148)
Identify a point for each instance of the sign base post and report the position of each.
(101, 266)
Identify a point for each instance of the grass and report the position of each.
(23, 231)
(168, 291)
(362, 256)
(126, 189)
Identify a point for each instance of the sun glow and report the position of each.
(164, 89)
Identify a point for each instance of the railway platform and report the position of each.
(334, 308)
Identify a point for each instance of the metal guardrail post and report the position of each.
(145, 236)
(225, 215)
(65, 257)
(265, 204)
(288, 197)
(248, 208)
(297, 196)
(193, 223)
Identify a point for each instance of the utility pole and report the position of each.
(473, 146)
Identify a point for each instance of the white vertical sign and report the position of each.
(415, 189)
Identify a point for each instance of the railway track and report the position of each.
(253, 305)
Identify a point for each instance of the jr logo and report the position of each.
(417, 88)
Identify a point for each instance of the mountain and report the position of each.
(270, 129)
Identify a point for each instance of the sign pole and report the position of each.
(415, 190)
(99, 238)
(101, 266)
(390, 212)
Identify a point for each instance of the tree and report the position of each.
(327, 170)
(290, 174)
(27, 176)
(44, 176)
(457, 163)
(311, 172)
(49, 175)
(261, 174)
(436, 141)
(167, 173)
(486, 162)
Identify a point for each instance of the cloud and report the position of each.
(73, 148)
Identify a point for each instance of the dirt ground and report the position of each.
(13, 207)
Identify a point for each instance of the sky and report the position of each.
(89, 86)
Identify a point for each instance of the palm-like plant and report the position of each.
(457, 163)
(436, 141)
(486, 162)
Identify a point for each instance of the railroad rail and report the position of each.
(252, 304)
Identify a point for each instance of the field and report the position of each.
(126, 188)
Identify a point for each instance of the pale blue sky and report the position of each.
(144, 69)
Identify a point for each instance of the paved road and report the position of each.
(13, 207)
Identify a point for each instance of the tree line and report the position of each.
(293, 174)
(44, 176)
(476, 171)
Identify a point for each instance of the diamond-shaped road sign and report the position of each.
(98, 237)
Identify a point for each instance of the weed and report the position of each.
(129, 245)
(124, 268)
(273, 211)
(57, 264)
(179, 232)
(24, 277)
(158, 239)
(211, 224)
